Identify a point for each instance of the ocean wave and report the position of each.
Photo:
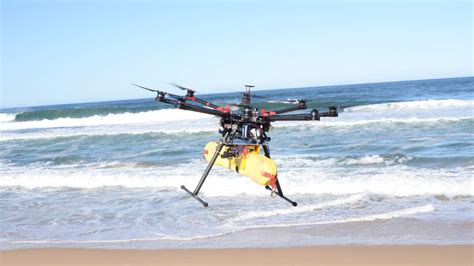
(108, 132)
(288, 101)
(77, 112)
(7, 117)
(397, 180)
(231, 227)
(301, 209)
(176, 121)
(365, 160)
(164, 115)
(364, 218)
(155, 122)
(423, 104)
(342, 122)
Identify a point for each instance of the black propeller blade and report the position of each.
(181, 87)
(145, 88)
(160, 92)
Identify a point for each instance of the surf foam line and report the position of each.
(299, 180)
(300, 209)
(97, 132)
(369, 122)
(6, 117)
(168, 115)
(163, 115)
(366, 218)
(423, 104)
(235, 229)
(207, 125)
(117, 240)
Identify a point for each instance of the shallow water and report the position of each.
(400, 153)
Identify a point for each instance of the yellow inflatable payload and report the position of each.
(249, 162)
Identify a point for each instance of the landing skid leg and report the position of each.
(279, 191)
(283, 197)
(195, 193)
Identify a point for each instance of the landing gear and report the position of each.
(278, 192)
(275, 191)
(195, 193)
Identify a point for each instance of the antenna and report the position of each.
(248, 87)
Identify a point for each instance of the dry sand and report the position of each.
(324, 255)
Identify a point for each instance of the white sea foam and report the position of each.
(300, 209)
(55, 128)
(231, 228)
(112, 130)
(365, 218)
(298, 179)
(345, 120)
(424, 104)
(100, 241)
(164, 115)
(312, 161)
(288, 101)
(172, 121)
(6, 117)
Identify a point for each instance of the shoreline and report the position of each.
(315, 255)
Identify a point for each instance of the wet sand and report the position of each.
(320, 255)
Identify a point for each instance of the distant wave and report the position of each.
(424, 104)
(365, 160)
(105, 127)
(163, 115)
(74, 113)
(6, 117)
(108, 132)
(372, 121)
(430, 111)
(288, 101)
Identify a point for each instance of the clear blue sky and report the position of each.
(77, 51)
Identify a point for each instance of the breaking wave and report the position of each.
(164, 115)
(425, 104)
(396, 180)
(366, 218)
(7, 117)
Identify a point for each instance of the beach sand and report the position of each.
(320, 255)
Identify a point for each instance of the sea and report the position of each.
(396, 167)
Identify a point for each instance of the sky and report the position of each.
(55, 52)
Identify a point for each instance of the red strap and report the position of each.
(245, 151)
(224, 109)
(272, 178)
(266, 113)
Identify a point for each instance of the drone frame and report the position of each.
(248, 115)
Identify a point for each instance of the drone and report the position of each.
(243, 136)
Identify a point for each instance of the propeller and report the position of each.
(159, 92)
(181, 87)
(145, 88)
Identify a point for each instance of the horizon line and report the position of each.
(306, 87)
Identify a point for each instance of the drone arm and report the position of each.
(297, 117)
(185, 106)
(314, 115)
(301, 105)
(199, 109)
(203, 102)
